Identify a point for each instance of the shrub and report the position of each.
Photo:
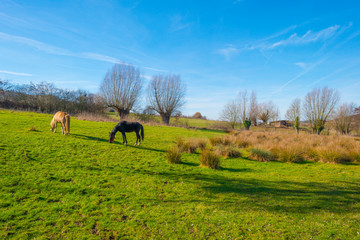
(209, 159)
(247, 124)
(261, 155)
(173, 155)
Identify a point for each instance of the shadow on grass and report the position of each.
(210, 130)
(89, 137)
(276, 196)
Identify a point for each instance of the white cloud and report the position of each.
(301, 64)
(229, 51)
(16, 73)
(178, 23)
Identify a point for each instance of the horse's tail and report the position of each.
(142, 132)
(67, 123)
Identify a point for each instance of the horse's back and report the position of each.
(129, 126)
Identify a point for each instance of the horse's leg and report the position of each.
(124, 138)
(137, 138)
(62, 127)
(55, 127)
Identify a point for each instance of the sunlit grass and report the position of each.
(82, 187)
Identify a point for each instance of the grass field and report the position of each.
(82, 187)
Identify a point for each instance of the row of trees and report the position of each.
(122, 87)
(318, 106)
(121, 90)
(246, 110)
(321, 105)
(45, 97)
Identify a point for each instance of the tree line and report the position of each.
(121, 90)
(46, 98)
(319, 106)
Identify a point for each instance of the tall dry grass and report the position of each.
(288, 147)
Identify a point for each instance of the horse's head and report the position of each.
(111, 137)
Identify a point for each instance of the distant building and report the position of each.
(281, 123)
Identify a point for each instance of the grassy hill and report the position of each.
(82, 187)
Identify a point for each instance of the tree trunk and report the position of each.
(123, 114)
(165, 119)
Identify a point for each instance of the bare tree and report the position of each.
(166, 95)
(268, 111)
(318, 106)
(121, 88)
(294, 110)
(231, 113)
(243, 106)
(344, 116)
(254, 109)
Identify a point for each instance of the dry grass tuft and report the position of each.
(33, 128)
(173, 155)
(261, 155)
(187, 146)
(95, 117)
(209, 159)
(227, 151)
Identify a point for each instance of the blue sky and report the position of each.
(280, 49)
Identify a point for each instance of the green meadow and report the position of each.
(82, 187)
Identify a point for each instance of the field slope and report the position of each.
(81, 187)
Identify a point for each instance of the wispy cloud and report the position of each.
(147, 77)
(334, 73)
(301, 64)
(308, 37)
(178, 23)
(43, 47)
(56, 50)
(237, 1)
(305, 71)
(155, 69)
(295, 39)
(16, 73)
(229, 51)
(99, 57)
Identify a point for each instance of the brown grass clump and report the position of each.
(33, 129)
(261, 155)
(215, 141)
(227, 152)
(186, 146)
(333, 155)
(290, 154)
(173, 155)
(95, 117)
(209, 159)
(199, 143)
(292, 147)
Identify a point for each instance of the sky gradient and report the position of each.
(280, 49)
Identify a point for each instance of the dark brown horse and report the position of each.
(124, 127)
